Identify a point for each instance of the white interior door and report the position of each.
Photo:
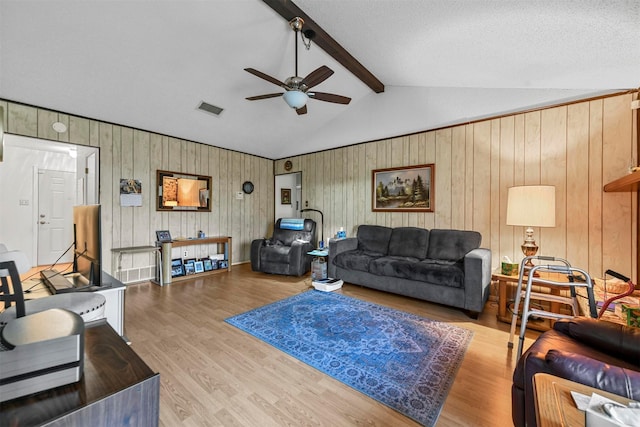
(56, 197)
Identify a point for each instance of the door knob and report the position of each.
(44, 222)
(42, 215)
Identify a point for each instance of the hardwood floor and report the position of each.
(213, 374)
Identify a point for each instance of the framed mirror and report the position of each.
(179, 191)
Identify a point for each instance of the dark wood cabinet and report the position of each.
(117, 389)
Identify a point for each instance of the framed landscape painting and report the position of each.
(403, 189)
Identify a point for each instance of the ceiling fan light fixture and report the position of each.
(295, 98)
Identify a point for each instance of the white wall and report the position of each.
(18, 185)
(287, 211)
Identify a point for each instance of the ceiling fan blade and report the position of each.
(317, 76)
(329, 97)
(269, 95)
(265, 76)
(301, 110)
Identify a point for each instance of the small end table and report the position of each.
(554, 404)
(507, 283)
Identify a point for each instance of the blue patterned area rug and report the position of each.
(402, 360)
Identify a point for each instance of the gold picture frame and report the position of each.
(403, 189)
(285, 196)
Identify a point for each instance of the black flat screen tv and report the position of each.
(87, 257)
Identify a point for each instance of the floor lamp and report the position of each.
(531, 206)
(321, 221)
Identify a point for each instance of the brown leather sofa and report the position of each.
(594, 352)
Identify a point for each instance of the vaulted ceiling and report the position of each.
(149, 64)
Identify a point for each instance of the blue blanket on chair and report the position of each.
(292, 223)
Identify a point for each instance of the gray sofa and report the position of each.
(441, 266)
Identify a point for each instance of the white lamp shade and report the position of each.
(295, 98)
(532, 206)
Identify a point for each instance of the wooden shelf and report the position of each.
(199, 275)
(626, 183)
(200, 241)
(224, 243)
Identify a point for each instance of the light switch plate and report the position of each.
(239, 195)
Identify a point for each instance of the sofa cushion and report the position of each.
(374, 239)
(433, 272)
(452, 245)
(277, 253)
(354, 260)
(409, 242)
(394, 266)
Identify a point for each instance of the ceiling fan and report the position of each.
(297, 88)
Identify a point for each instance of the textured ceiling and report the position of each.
(149, 64)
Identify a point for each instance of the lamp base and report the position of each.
(529, 248)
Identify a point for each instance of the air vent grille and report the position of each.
(209, 108)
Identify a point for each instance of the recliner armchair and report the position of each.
(286, 251)
(597, 353)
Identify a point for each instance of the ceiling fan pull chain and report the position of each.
(296, 39)
(307, 44)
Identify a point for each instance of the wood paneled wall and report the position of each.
(578, 148)
(132, 153)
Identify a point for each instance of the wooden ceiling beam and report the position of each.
(288, 11)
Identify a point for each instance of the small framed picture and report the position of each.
(177, 268)
(223, 263)
(163, 236)
(198, 266)
(207, 263)
(189, 266)
(285, 196)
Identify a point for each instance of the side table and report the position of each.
(507, 286)
(116, 254)
(319, 263)
(554, 404)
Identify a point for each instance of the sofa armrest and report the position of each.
(594, 373)
(612, 338)
(256, 245)
(336, 247)
(298, 258)
(477, 278)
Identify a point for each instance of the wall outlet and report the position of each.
(239, 195)
(186, 253)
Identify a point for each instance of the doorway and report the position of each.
(69, 176)
(288, 197)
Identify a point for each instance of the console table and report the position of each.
(165, 256)
(117, 389)
(116, 259)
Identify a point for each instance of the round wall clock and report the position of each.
(288, 165)
(247, 187)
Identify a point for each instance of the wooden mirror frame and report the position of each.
(204, 192)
